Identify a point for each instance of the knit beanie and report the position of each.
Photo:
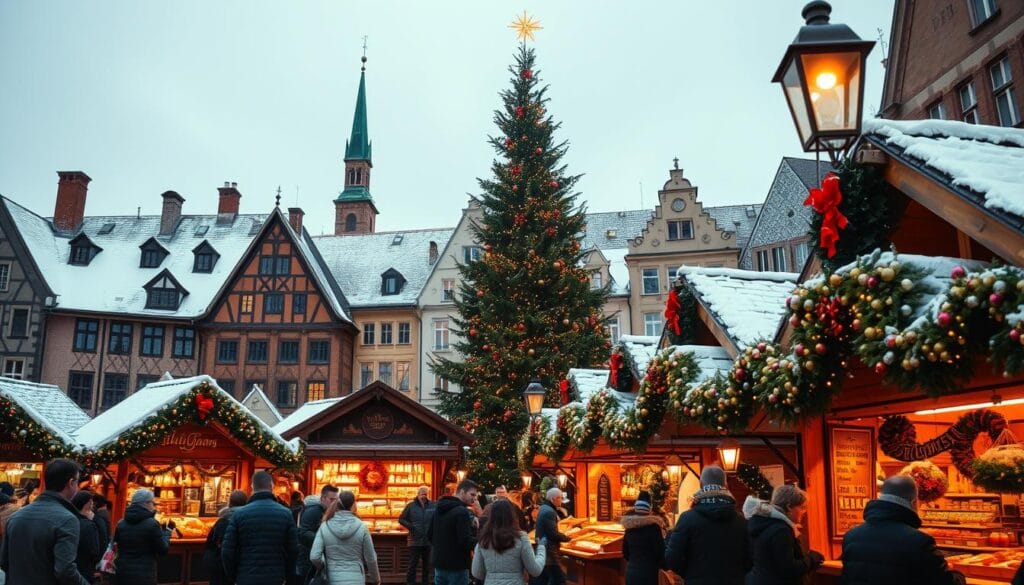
(712, 475)
(643, 502)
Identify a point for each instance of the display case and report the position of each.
(1000, 565)
(596, 541)
(187, 494)
(382, 488)
(970, 520)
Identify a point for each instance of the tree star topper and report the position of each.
(524, 26)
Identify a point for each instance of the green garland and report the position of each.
(659, 490)
(36, 438)
(687, 318)
(751, 477)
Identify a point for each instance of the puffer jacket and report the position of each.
(451, 535)
(710, 544)
(416, 519)
(140, 540)
(547, 527)
(260, 543)
(506, 567)
(778, 556)
(344, 545)
(41, 543)
(309, 522)
(643, 547)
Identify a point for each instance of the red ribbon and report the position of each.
(825, 202)
(672, 308)
(563, 391)
(204, 404)
(616, 363)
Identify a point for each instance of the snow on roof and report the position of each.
(739, 219)
(617, 269)
(357, 263)
(986, 160)
(613, 229)
(711, 359)
(117, 266)
(748, 305)
(641, 348)
(134, 409)
(306, 412)
(48, 405)
(258, 394)
(587, 382)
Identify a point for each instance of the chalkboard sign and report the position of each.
(852, 475)
(604, 499)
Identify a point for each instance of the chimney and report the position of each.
(171, 212)
(69, 211)
(433, 254)
(295, 218)
(227, 208)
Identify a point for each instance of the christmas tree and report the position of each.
(526, 308)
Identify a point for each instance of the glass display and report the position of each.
(382, 488)
(191, 496)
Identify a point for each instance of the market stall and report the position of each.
(382, 446)
(191, 443)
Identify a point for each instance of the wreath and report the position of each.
(931, 482)
(373, 477)
(898, 439)
(1000, 469)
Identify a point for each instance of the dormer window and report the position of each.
(392, 282)
(82, 251)
(205, 258)
(164, 293)
(153, 254)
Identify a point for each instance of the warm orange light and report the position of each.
(563, 479)
(729, 454)
(460, 474)
(319, 474)
(527, 480)
(826, 80)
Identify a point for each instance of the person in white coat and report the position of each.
(503, 551)
(343, 547)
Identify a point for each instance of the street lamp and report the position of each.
(96, 478)
(534, 396)
(563, 479)
(461, 475)
(729, 454)
(527, 479)
(822, 77)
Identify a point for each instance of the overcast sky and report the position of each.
(151, 96)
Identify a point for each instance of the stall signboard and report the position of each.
(194, 442)
(13, 450)
(377, 423)
(851, 475)
(604, 499)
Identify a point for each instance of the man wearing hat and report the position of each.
(547, 527)
(710, 544)
(643, 545)
(140, 540)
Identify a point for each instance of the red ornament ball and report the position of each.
(880, 368)
(1015, 335)
(551, 232)
(472, 332)
(520, 111)
(527, 74)
(554, 184)
(491, 466)
(958, 272)
(479, 293)
(820, 349)
(540, 150)
(477, 405)
(945, 319)
(509, 144)
(515, 188)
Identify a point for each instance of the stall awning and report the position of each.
(45, 414)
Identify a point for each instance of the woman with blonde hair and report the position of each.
(343, 549)
(775, 538)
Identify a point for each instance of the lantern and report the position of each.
(534, 396)
(674, 465)
(563, 479)
(527, 480)
(461, 475)
(319, 472)
(729, 454)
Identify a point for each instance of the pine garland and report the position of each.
(751, 477)
(37, 439)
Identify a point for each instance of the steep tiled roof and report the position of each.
(48, 405)
(738, 219)
(804, 169)
(357, 263)
(624, 225)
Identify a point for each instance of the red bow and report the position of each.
(825, 202)
(829, 316)
(672, 308)
(563, 391)
(616, 363)
(204, 404)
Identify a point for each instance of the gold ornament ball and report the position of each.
(888, 274)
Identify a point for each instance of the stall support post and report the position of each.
(814, 457)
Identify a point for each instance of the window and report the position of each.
(403, 375)
(385, 333)
(14, 368)
(762, 261)
(86, 331)
(162, 299)
(283, 265)
(779, 259)
(152, 341)
(448, 290)
(982, 10)
(151, 257)
(227, 351)
(384, 372)
(286, 392)
(142, 381)
(800, 253)
(257, 353)
(1005, 97)
(184, 342)
(937, 111)
(299, 304)
(203, 262)
(652, 324)
(81, 254)
(369, 330)
(471, 254)
(247, 303)
(440, 384)
(80, 388)
(365, 374)
(115, 388)
(227, 386)
(440, 334)
(672, 273)
(319, 352)
(968, 103)
(390, 286)
(404, 337)
(5, 276)
(315, 390)
(19, 324)
(273, 303)
(288, 352)
(595, 279)
(651, 284)
(613, 329)
(250, 384)
(266, 265)
(680, 230)
(120, 340)
(350, 222)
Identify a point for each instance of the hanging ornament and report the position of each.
(672, 308)
(554, 184)
(540, 150)
(527, 74)
(551, 232)
(825, 202)
(520, 112)
(509, 144)
(516, 169)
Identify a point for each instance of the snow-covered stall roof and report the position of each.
(985, 161)
(257, 400)
(357, 263)
(748, 305)
(48, 405)
(641, 350)
(305, 412)
(711, 359)
(587, 382)
(106, 428)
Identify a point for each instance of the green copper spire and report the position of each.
(358, 146)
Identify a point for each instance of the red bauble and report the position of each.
(491, 466)
(945, 319)
(495, 356)
(520, 111)
(527, 74)
(515, 188)
(880, 368)
(1015, 335)
(958, 272)
(477, 405)
(551, 232)
(479, 293)
(872, 281)
(472, 332)
(554, 184)
(516, 169)
(540, 150)
(820, 348)
(509, 144)
(486, 347)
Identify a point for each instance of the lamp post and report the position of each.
(729, 454)
(822, 77)
(534, 396)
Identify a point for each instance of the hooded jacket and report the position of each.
(214, 541)
(710, 544)
(309, 521)
(41, 543)
(260, 544)
(643, 547)
(888, 549)
(89, 550)
(451, 535)
(506, 567)
(778, 557)
(140, 540)
(343, 543)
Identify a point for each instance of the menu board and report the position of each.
(852, 473)
(604, 499)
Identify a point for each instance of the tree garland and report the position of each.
(751, 477)
(36, 438)
(683, 311)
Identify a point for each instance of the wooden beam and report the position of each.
(716, 330)
(963, 242)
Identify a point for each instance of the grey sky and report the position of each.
(150, 96)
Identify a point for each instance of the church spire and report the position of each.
(354, 210)
(358, 146)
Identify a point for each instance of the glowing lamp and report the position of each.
(461, 475)
(319, 474)
(729, 454)
(96, 478)
(674, 465)
(534, 396)
(563, 479)
(527, 480)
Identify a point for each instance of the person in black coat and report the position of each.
(709, 544)
(643, 545)
(89, 549)
(309, 522)
(260, 545)
(140, 540)
(775, 538)
(101, 511)
(214, 540)
(452, 534)
(888, 548)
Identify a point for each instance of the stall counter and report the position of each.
(830, 572)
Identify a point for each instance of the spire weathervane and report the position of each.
(525, 26)
(363, 68)
(277, 200)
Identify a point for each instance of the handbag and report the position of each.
(109, 559)
(320, 577)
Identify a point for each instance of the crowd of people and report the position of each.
(62, 536)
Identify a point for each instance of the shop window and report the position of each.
(86, 331)
(319, 352)
(14, 368)
(227, 351)
(369, 332)
(299, 304)
(152, 341)
(652, 324)
(288, 352)
(273, 304)
(441, 334)
(19, 324)
(257, 352)
(315, 390)
(247, 303)
(680, 230)
(652, 285)
(1003, 94)
(115, 388)
(386, 333)
(5, 276)
(404, 336)
(384, 371)
(402, 375)
(287, 393)
(120, 339)
(142, 381)
(968, 103)
(189, 494)
(612, 328)
(448, 290)
(184, 342)
(365, 374)
(80, 388)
